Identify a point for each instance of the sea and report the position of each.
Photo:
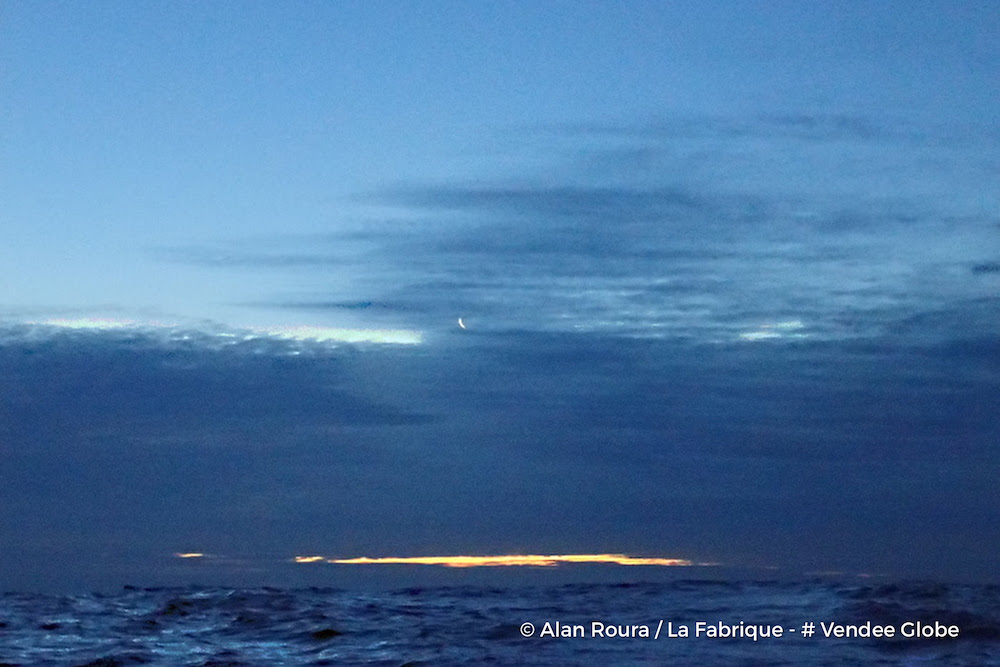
(672, 623)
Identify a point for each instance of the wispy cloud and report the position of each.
(707, 229)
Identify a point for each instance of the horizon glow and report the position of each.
(530, 560)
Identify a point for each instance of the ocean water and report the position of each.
(480, 625)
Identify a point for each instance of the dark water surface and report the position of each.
(478, 625)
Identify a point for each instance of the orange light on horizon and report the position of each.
(530, 560)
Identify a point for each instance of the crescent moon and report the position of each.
(461, 323)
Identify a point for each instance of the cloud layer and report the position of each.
(770, 342)
(698, 228)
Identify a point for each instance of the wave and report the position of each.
(463, 625)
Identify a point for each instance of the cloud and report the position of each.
(986, 267)
(802, 126)
(482, 443)
(245, 258)
(139, 384)
(706, 348)
(605, 203)
(697, 228)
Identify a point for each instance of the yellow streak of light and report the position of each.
(193, 554)
(532, 560)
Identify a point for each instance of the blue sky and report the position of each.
(728, 273)
(137, 127)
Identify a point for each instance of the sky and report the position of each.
(709, 281)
